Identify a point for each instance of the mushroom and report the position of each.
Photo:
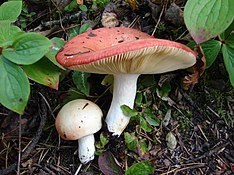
(126, 53)
(79, 120)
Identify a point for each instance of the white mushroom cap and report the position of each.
(80, 119)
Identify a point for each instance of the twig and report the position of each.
(189, 166)
(78, 169)
(19, 154)
(159, 19)
(203, 134)
(215, 150)
(65, 19)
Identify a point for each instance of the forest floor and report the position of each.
(201, 118)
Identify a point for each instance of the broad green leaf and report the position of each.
(211, 49)
(130, 140)
(58, 43)
(228, 56)
(27, 48)
(141, 168)
(81, 81)
(128, 111)
(14, 86)
(43, 72)
(206, 19)
(7, 33)
(10, 10)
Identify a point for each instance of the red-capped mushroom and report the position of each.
(126, 53)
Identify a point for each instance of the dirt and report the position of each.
(202, 120)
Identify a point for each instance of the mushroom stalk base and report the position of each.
(124, 92)
(86, 148)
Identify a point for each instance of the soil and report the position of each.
(202, 117)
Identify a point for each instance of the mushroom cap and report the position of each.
(78, 118)
(124, 50)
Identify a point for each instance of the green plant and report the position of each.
(22, 56)
(207, 19)
(26, 16)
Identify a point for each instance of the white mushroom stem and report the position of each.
(124, 93)
(86, 148)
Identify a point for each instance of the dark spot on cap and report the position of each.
(92, 34)
(79, 126)
(120, 41)
(85, 105)
(87, 37)
(81, 121)
(137, 37)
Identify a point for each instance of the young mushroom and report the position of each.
(126, 53)
(79, 120)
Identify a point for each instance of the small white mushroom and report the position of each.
(79, 120)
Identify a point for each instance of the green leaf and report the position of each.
(206, 19)
(103, 141)
(71, 6)
(83, 28)
(83, 8)
(10, 10)
(73, 94)
(165, 89)
(150, 117)
(14, 86)
(27, 48)
(43, 72)
(58, 43)
(228, 56)
(128, 111)
(138, 99)
(144, 125)
(7, 33)
(81, 81)
(141, 168)
(142, 148)
(108, 80)
(211, 49)
(130, 140)
(228, 31)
